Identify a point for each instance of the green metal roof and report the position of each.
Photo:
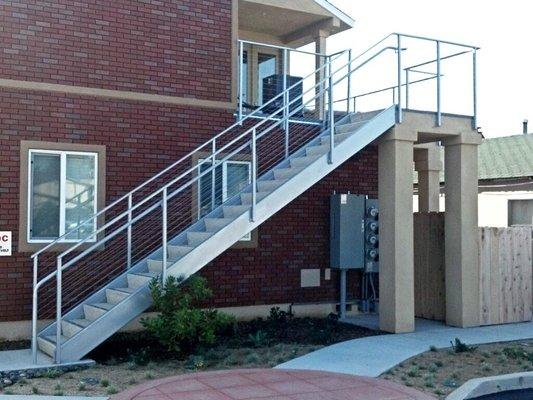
(506, 157)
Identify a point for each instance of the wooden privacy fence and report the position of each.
(506, 274)
(430, 292)
(505, 271)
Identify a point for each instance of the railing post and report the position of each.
(254, 174)
(474, 88)
(241, 83)
(164, 235)
(213, 174)
(407, 89)
(331, 116)
(59, 306)
(399, 73)
(439, 114)
(34, 312)
(355, 104)
(285, 104)
(349, 83)
(130, 217)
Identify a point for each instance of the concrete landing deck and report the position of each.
(21, 360)
(372, 356)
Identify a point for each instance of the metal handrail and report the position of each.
(168, 168)
(324, 85)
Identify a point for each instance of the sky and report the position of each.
(501, 29)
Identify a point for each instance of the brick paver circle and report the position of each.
(270, 384)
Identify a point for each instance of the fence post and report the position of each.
(407, 89)
(130, 227)
(59, 305)
(213, 174)
(34, 313)
(349, 89)
(439, 114)
(285, 103)
(164, 236)
(254, 174)
(399, 73)
(331, 116)
(241, 83)
(474, 80)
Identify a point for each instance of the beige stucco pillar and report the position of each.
(320, 47)
(428, 165)
(396, 260)
(461, 230)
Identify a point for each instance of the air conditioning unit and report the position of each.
(273, 85)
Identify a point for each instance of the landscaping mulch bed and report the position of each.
(127, 359)
(440, 372)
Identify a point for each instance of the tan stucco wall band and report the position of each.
(114, 94)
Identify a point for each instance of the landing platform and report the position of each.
(21, 360)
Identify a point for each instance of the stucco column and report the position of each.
(428, 165)
(461, 230)
(320, 47)
(396, 259)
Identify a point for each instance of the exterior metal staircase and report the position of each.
(94, 286)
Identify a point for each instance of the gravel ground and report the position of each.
(440, 372)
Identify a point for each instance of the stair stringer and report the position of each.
(102, 328)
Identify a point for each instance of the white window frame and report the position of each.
(62, 192)
(248, 236)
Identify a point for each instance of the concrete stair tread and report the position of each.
(127, 289)
(52, 338)
(270, 185)
(287, 173)
(215, 224)
(103, 306)
(235, 210)
(304, 161)
(246, 198)
(81, 322)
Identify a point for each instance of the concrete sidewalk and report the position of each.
(372, 356)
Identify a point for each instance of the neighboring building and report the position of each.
(505, 181)
(146, 138)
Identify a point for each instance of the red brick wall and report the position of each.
(55, 42)
(175, 48)
(295, 238)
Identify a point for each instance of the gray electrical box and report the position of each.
(347, 240)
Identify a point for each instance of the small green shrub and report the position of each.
(104, 383)
(460, 347)
(258, 339)
(278, 316)
(181, 324)
(82, 387)
(433, 349)
(112, 390)
(35, 390)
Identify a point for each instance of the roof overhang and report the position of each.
(292, 23)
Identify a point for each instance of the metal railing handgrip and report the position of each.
(435, 60)
(436, 40)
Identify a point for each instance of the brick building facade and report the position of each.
(132, 76)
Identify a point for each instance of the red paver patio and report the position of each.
(270, 384)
